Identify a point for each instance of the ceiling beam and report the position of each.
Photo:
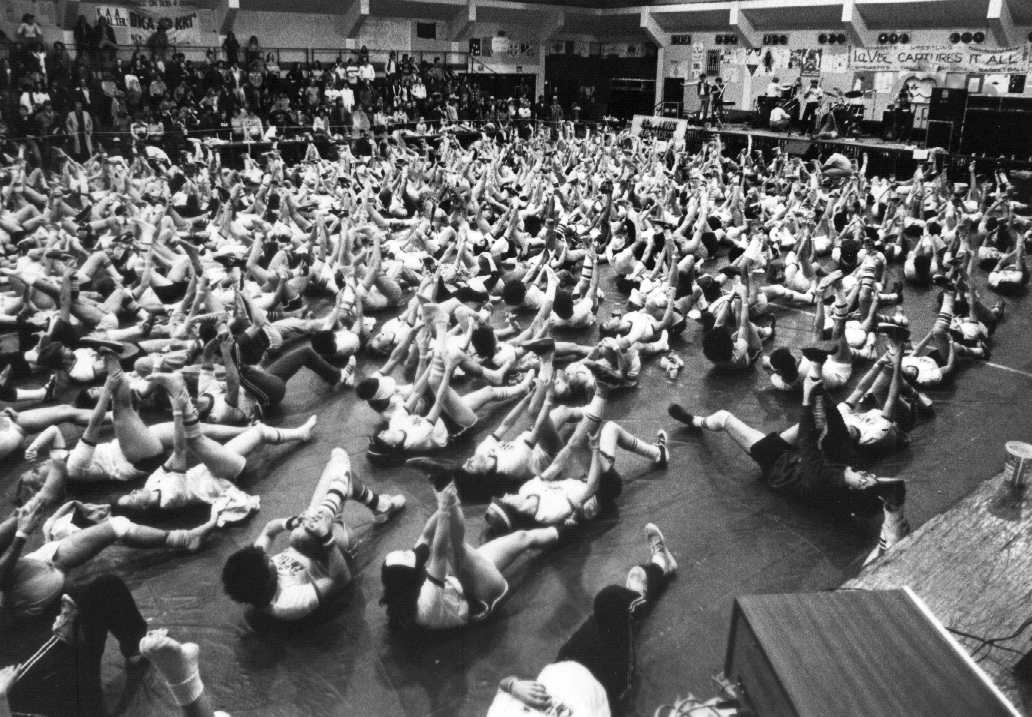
(1001, 23)
(354, 16)
(742, 26)
(459, 25)
(549, 25)
(657, 34)
(691, 7)
(855, 25)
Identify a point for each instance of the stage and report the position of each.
(885, 158)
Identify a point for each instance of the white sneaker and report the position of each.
(395, 503)
(892, 531)
(638, 580)
(660, 554)
(347, 374)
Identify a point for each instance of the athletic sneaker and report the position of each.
(664, 450)
(819, 351)
(660, 554)
(347, 374)
(497, 517)
(638, 580)
(395, 503)
(680, 413)
(893, 530)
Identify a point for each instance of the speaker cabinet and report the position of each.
(995, 133)
(877, 653)
(947, 105)
(940, 134)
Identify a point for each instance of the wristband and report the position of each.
(506, 685)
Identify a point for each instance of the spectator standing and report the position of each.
(158, 42)
(80, 128)
(232, 48)
(366, 72)
(85, 38)
(253, 52)
(104, 39)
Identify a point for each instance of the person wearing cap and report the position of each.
(292, 584)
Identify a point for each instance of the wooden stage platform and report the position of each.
(885, 158)
(972, 566)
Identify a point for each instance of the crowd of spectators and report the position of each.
(115, 98)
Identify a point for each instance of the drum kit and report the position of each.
(845, 115)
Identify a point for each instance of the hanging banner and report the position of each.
(659, 128)
(134, 25)
(957, 58)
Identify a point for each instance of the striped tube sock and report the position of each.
(369, 498)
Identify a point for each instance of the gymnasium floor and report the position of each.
(730, 535)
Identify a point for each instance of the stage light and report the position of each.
(734, 39)
(719, 39)
(883, 38)
(841, 37)
(784, 39)
(893, 38)
(904, 38)
(954, 37)
(966, 37)
(822, 39)
(979, 37)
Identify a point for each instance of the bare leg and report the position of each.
(177, 663)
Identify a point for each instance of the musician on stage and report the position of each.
(902, 110)
(776, 89)
(718, 101)
(811, 101)
(779, 118)
(705, 90)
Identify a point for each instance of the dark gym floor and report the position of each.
(730, 535)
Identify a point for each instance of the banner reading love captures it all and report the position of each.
(133, 25)
(955, 58)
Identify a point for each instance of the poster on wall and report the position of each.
(808, 62)
(883, 82)
(133, 26)
(698, 57)
(939, 59)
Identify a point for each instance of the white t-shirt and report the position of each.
(86, 366)
(929, 373)
(420, 434)
(296, 596)
(569, 684)
(513, 457)
(554, 498)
